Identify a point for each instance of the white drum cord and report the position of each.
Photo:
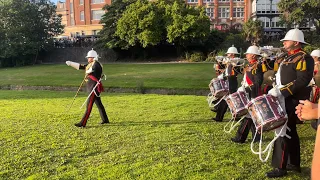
(232, 124)
(212, 106)
(94, 88)
(282, 132)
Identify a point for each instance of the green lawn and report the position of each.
(167, 75)
(149, 137)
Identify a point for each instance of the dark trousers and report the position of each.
(243, 130)
(221, 110)
(97, 100)
(285, 150)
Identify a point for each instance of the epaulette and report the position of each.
(300, 58)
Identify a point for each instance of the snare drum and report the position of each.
(266, 112)
(237, 103)
(219, 87)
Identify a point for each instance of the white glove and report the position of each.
(275, 92)
(220, 76)
(241, 88)
(73, 64)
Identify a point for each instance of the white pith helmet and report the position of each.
(232, 50)
(253, 50)
(92, 53)
(315, 53)
(294, 35)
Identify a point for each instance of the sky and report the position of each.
(55, 1)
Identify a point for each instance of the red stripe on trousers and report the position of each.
(282, 156)
(88, 110)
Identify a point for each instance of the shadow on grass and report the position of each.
(148, 123)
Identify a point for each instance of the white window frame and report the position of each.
(81, 15)
(97, 1)
(223, 12)
(96, 10)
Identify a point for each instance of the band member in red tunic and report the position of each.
(93, 75)
(292, 80)
(230, 73)
(252, 81)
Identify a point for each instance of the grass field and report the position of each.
(172, 75)
(149, 137)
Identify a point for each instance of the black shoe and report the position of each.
(276, 172)
(215, 119)
(104, 122)
(291, 167)
(79, 125)
(237, 140)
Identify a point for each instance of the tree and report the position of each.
(252, 30)
(114, 11)
(186, 24)
(300, 12)
(141, 23)
(27, 28)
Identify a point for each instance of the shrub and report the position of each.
(196, 57)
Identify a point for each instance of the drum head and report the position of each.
(268, 77)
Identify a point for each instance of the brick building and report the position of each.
(225, 13)
(83, 16)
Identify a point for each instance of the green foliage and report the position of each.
(300, 12)
(253, 31)
(196, 57)
(186, 24)
(238, 40)
(25, 29)
(215, 40)
(110, 20)
(147, 23)
(149, 137)
(141, 23)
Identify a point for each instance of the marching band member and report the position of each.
(307, 110)
(292, 79)
(315, 54)
(252, 79)
(93, 73)
(231, 73)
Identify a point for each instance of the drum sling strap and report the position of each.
(279, 132)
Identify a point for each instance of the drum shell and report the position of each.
(219, 87)
(266, 113)
(237, 103)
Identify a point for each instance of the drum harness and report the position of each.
(279, 132)
(211, 97)
(233, 119)
(94, 88)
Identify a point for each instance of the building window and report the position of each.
(238, 0)
(96, 14)
(94, 32)
(81, 2)
(72, 20)
(238, 12)
(210, 12)
(71, 7)
(205, 1)
(223, 12)
(81, 15)
(83, 33)
(192, 1)
(97, 1)
(224, 0)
